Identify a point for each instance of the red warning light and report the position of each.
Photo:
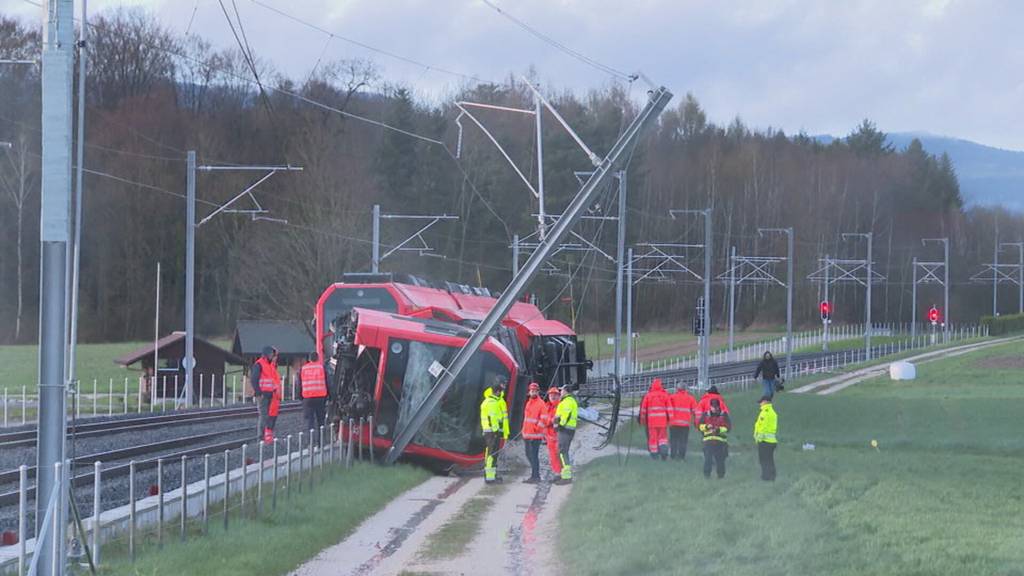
(933, 315)
(826, 309)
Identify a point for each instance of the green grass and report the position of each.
(19, 366)
(451, 540)
(941, 495)
(852, 344)
(599, 349)
(277, 542)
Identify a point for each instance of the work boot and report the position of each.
(531, 480)
(563, 481)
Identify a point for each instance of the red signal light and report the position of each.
(933, 315)
(826, 309)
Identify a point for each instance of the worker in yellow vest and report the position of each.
(494, 425)
(566, 417)
(765, 430)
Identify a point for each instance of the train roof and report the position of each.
(373, 324)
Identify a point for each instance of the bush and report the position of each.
(1006, 324)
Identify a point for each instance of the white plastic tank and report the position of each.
(902, 371)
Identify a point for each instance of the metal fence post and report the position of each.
(302, 462)
(333, 439)
(288, 468)
(184, 497)
(322, 453)
(200, 389)
(370, 445)
(312, 462)
(245, 478)
(124, 401)
(160, 502)
(22, 511)
(348, 452)
(57, 536)
(259, 482)
(110, 397)
(5, 407)
(131, 510)
(206, 488)
(97, 509)
(227, 485)
(273, 502)
(362, 423)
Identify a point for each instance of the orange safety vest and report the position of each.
(270, 380)
(547, 420)
(533, 414)
(314, 381)
(655, 406)
(682, 408)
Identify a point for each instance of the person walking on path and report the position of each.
(493, 423)
(550, 432)
(533, 432)
(768, 371)
(565, 421)
(714, 425)
(681, 413)
(266, 385)
(765, 434)
(313, 387)
(654, 410)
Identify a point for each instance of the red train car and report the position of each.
(364, 324)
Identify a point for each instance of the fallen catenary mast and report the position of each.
(659, 98)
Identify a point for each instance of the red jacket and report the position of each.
(547, 420)
(655, 406)
(704, 405)
(683, 409)
(535, 410)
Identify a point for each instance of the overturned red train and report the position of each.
(380, 334)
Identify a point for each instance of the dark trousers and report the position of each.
(265, 420)
(715, 452)
(678, 436)
(564, 441)
(766, 456)
(314, 410)
(768, 387)
(533, 456)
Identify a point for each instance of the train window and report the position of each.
(342, 300)
(455, 426)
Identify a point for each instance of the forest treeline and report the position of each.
(152, 95)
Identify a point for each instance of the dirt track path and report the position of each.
(517, 535)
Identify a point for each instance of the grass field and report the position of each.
(278, 542)
(941, 494)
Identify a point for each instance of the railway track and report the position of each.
(88, 429)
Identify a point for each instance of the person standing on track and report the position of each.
(566, 417)
(492, 422)
(768, 370)
(313, 387)
(550, 433)
(533, 432)
(714, 425)
(266, 387)
(765, 430)
(680, 415)
(654, 410)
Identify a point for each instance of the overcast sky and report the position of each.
(948, 67)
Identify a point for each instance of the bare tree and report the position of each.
(18, 190)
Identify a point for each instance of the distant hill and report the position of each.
(988, 175)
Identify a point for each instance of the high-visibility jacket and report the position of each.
(533, 416)
(270, 380)
(714, 427)
(547, 419)
(704, 406)
(655, 406)
(767, 424)
(504, 415)
(682, 410)
(491, 416)
(567, 413)
(314, 380)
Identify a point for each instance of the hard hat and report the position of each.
(554, 391)
(534, 386)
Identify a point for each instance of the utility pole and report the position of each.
(703, 380)
(826, 321)
(629, 312)
(79, 196)
(789, 292)
(620, 249)
(541, 218)
(515, 254)
(913, 300)
(732, 297)
(375, 259)
(1020, 273)
(256, 213)
(58, 44)
(869, 236)
(404, 434)
(929, 269)
(995, 274)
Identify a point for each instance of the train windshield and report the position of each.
(342, 300)
(455, 426)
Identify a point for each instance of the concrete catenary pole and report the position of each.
(403, 435)
(704, 377)
(620, 249)
(375, 257)
(732, 298)
(190, 276)
(57, 77)
(913, 299)
(826, 321)
(629, 312)
(541, 217)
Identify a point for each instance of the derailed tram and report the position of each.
(380, 335)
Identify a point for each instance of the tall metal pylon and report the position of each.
(930, 274)
(704, 309)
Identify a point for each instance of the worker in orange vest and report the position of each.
(654, 415)
(313, 387)
(704, 405)
(547, 422)
(533, 433)
(266, 386)
(681, 413)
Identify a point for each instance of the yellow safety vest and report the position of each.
(567, 412)
(767, 425)
(491, 414)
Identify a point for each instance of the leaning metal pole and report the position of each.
(659, 99)
(58, 43)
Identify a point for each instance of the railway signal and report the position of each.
(826, 310)
(934, 316)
